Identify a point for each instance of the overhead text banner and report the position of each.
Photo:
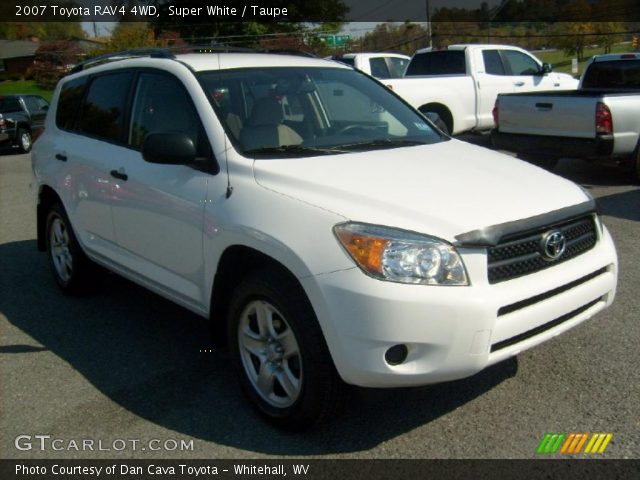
(207, 11)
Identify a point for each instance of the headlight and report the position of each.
(399, 256)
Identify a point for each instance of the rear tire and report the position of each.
(72, 270)
(279, 352)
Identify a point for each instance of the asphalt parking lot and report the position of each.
(123, 363)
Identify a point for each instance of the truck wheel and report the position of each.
(437, 120)
(23, 140)
(543, 161)
(72, 270)
(279, 352)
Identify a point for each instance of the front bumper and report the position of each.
(454, 332)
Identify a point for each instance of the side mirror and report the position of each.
(546, 68)
(170, 148)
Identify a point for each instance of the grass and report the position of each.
(24, 86)
(559, 58)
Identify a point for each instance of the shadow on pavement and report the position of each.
(143, 353)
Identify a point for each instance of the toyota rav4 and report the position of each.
(329, 232)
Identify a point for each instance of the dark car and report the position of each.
(21, 118)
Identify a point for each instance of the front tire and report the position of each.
(72, 270)
(279, 352)
(24, 140)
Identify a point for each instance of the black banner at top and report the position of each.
(211, 11)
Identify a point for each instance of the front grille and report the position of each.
(522, 254)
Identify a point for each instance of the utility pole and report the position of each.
(429, 30)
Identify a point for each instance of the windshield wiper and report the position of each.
(293, 149)
(380, 143)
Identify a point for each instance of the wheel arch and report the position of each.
(46, 198)
(235, 263)
(442, 110)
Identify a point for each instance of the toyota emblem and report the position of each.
(553, 245)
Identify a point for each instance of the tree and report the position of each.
(53, 60)
(45, 31)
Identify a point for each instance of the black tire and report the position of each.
(24, 141)
(543, 161)
(72, 270)
(635, 164)
(437, 120)
(318, 391)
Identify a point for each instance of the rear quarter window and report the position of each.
(69, 102)
(103, 111)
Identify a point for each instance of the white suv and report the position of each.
(329, 232)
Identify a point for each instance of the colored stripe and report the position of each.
(584, 439)
(567, 443)
(596, 446)
(605, 443)
(550, 443)
(540, 448)
(594, 437)
(576, 440)
(558, 442)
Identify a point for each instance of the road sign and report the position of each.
(335, 40)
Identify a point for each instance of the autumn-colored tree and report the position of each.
(53, 60)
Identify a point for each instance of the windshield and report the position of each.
(9, 104)
(298, 111)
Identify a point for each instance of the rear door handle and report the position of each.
(61, 157)
(518, 84)
(544, 106)
(119, 174)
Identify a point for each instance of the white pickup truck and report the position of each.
(599, 121)
(380, 65)
(457, 87)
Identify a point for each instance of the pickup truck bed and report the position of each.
(590, 123)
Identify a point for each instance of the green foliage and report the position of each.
(24, 86)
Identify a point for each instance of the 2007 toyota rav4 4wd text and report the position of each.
(329, 232)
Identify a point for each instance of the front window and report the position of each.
(297, 111)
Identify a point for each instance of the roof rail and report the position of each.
(133, 53)
(167, 52)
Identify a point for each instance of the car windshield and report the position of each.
(9, 104)
(305, 111)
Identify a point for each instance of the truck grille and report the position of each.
(522, 254)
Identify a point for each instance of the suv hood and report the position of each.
(443, 189)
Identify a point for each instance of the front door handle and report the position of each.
(61, 157)
(119, 174)
(518, 84)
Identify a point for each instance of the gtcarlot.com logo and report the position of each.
(573, 443)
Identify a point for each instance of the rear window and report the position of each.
(445, 62)
(9, 104)
(69, 103)
(619, 74)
